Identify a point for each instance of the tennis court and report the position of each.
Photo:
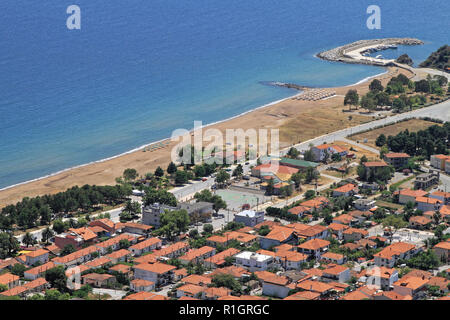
(235, 199)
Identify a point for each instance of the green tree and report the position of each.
(381, 140)
(68, 249)
(172, 168)
(8, 245)
(18, 269)
(351, 98)
(130, 174)
(293, 153)
(159, 172)
(222, 177)
(238, 172)
(57, 278)
(376, 86)
(173, 223)
(28, 239)
(227, 281)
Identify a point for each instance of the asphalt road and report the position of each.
(439, 111)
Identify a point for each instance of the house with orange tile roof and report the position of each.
(354, 234)
(315, 286)
(77, 257)
(317, 203)
(392, 253)
(441, 195)
(99, 280)
(346, 219)
(121, 268)
(304, 295)
(408, 195)
(190, 290)
(218, 260)
(278, 235)
(310, 232)
(159, 273)
(332, 257)
(198, 280)
(362, 293)
(390, 295)
(273, 169)
(243, 238)
(197, 255)
(397, 159)
(9, 280)
(76, 237)
(134, 228)
(105, 223)
(442, 250)
(114, 243)
(438, 161)
(121, 255)
(346, 190)
(290, 260)
(411, 286)
(172, 251)
(428, 204)
(379, 277)
(277, 286)
(138, 285)
(314, 247)
(236, 271)
(39, 271)
(143, 295)
(242, 297)
(300, 211)
(145, 246)
(419, 222)
(39, 256)
(212, 293)
(98, 263)
(179, 274)
(337, 273)
(337, 229)
(37, 285)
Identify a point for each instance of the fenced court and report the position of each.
(235, 199)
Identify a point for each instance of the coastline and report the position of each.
(66, 178)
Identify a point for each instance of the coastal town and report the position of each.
(357, 214)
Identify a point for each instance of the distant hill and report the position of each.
(439, 59)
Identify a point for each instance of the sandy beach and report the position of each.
(298, 120)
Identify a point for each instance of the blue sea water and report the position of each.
(139, 69)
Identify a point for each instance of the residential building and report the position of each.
(151, 215)
(315, 247)
(254, 261)
(99, 280)
(442, 250)
(440, 195)
(364, 204)
(197, 255)
(138, 285)
(337, 273)
(249, 218)
(397, 160)
(438, 161)
(278, 235)
(158, 273)
(411, 286)
(426, 180)
(346, 190)
(408, 195)
(428, 204)
(145, 246)
(394, 252)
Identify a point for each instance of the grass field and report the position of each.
(391, 130)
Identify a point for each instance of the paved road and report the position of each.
(362, 146)
(439, 111)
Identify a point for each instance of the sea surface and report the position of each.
(138, 69)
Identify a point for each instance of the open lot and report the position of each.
(391, 130)
(235, 199)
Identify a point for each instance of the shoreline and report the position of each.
(143, 146)
(63, 179)
(190, 131)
